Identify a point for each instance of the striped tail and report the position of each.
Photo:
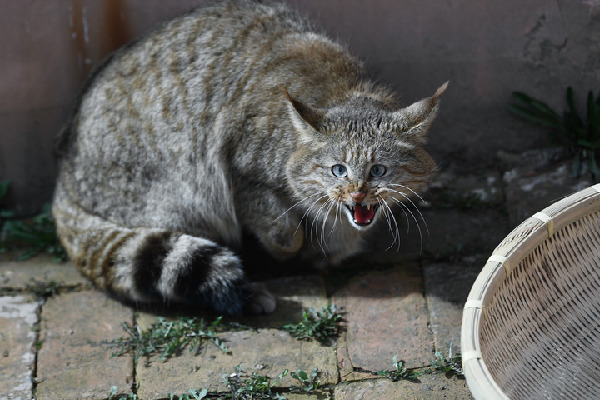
(148, 265)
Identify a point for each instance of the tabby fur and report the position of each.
(234, 118)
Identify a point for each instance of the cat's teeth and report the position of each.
(368, 207)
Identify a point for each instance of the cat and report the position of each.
(237, 117)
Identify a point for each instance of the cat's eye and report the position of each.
(378, 170)
(339, 170)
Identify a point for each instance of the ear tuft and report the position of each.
(309, 115)
(439, 92)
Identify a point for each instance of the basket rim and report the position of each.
(530, 233)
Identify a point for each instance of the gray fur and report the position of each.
(228, 119)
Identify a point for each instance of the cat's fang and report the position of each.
(363, 215)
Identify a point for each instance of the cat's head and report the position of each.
(360, 159)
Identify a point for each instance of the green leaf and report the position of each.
(571, 104)
(525, 113)
(593, 164)
(576, 165)
(591, 108)
(319, 325)
(198, 395)
(532, 106)
(3, 188)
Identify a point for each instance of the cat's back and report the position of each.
(206, 52)
(178, 78)
(156, 117)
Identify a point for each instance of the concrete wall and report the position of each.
(486, 48)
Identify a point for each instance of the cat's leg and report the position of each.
(275, 224)
(147, 265)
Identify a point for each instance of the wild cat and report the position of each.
(237, 117)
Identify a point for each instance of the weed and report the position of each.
(190, 395)
(308, 382)
(320, 325)
(255, 386)
(37, 234)
(112, 395)
(3, 191)
(168, 337)
(581, 136)
(43, 289)
(450, 365)
(4, 215)
(400, 372)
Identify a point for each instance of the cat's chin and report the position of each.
(362, 217)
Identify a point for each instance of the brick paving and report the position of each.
(56, 346)
(55, 329)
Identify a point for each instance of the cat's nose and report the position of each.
(358, 197)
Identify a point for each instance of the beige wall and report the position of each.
(485, 48)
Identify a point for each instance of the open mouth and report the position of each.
(363, 215)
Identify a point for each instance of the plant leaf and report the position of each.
(573, 110)
(576, 166)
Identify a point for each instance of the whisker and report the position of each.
(406, 187)
(413, 204)
(379, 201)
(337, 204)
(397, 237)
(404, 206)
(323, 227)
(319, 211)
(308, 211)
(385, 212)
(295, 204)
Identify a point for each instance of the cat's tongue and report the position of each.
(363, 215)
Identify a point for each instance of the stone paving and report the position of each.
(56, 346)
(55, 329)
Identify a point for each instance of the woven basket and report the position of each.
(531, 324)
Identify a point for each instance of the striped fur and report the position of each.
(228, 120)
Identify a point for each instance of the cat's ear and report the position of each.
(306, 119)
(413, 121)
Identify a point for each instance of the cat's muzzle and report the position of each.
(362, 215)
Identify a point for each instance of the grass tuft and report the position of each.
(190, 395)
(168, 338)
(451, 365)
(254, 386)
(35, 235)
(319, 325)
(114, 395)
(400, 372)
(308, 382)
(579, 134)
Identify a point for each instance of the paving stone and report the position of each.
(266, 352)
(429, 387)
(294, 294)
(21, 275)
(18, 316)
(304, 396)
(75, 360)
(447, 287)
(468, 235)
(385, 315)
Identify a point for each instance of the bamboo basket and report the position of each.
(531, 323)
